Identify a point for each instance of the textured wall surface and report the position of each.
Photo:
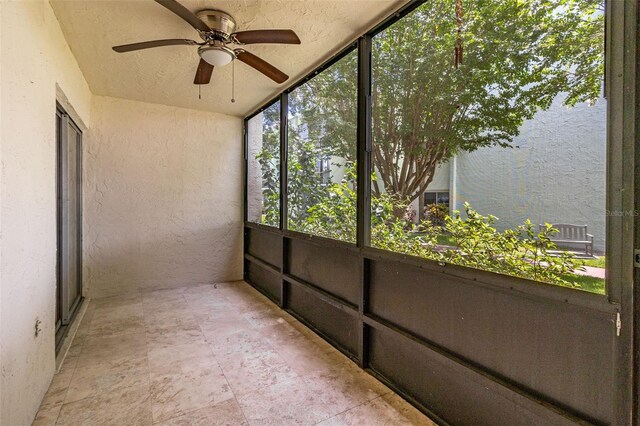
(35, 60)
(163, 197)
(555, 172)
(441, 178)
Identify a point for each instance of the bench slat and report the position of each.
(571, 234)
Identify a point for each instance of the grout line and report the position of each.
(242, 410)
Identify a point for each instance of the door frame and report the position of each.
(64, 307)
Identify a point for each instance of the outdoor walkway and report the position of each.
(592, 272)
(209, 355)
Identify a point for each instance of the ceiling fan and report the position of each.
(216, 28)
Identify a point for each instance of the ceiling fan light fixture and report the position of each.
(218, 56)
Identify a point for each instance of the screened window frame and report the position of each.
(620, 143)
(245, 158)
(353, 47)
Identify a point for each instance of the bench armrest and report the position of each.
(589, 236)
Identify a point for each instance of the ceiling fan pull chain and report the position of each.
(199, 91)
(233, 82)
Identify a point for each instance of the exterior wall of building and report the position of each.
(554, 173)
(37, 68)
(163, 197)
(441, 182)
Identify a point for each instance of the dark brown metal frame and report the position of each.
(336, 288)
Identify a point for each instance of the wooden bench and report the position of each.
(572, 234)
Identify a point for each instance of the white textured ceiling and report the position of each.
(165, 75)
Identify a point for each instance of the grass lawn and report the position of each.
(445, 240)
(587, 283)
(598, 262)
(442, 239)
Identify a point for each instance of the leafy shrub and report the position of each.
(333, 217)
(520, 252)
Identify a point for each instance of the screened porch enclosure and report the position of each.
(398, 212)
(533, 334)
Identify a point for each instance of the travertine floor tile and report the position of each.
(344, 387)
(57, 389)
(204, 296)
(178, 393)
(305, 357)
(210, 355)
(280, 333)
(165, 332)
(410, 412)
(246, 373)
(108, 376)
(227, 413)
(169, 295)
(213, 313)
(117, 312)
(116, 301)
(76, 348)
(243, 298)
(220, 327)
(128, 406)
(47, 416)
(377, 412)
(83, 328)
(117, 320)
(290, 402)
(70, 362)
(260, 318)
(244, 342)
(97, 349)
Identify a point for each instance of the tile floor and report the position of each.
(210, 355)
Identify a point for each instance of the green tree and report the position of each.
(269, 160)
(516, 57)
(322, 130)
(452, 76)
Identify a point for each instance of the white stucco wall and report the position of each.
(556, 172)
(441, 177)
(440, 182)
(163, 197)
(35, 59)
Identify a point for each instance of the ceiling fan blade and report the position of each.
(154, 43)
(267, 36)
(203, 73)
(185, 14)
(261, 65)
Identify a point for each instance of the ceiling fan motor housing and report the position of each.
(221, 23)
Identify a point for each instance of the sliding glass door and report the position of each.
(69, 220)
